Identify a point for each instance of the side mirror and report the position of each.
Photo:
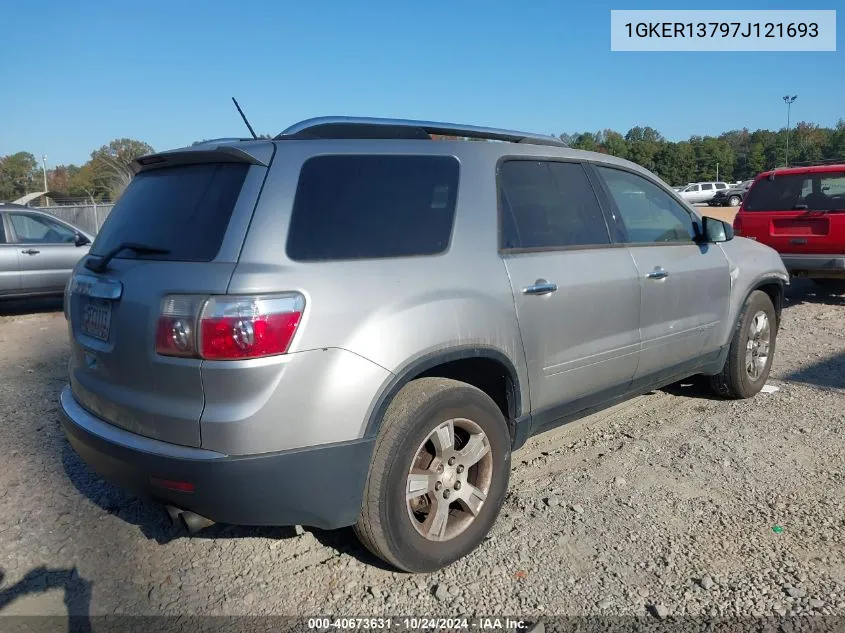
(81, 240)
(716, 231)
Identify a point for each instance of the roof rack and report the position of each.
(340, 127)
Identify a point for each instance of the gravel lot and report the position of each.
(673, 504)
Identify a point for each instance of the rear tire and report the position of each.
(430, 500)
(836, 286)
(751, 352)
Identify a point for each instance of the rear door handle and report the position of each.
(540, 287)
(658, 273)
(31, 251)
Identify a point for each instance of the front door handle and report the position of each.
(540, 287)
(658, 273)
(31, 251)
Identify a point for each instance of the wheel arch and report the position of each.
(475, 365)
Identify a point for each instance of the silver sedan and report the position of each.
(37, 252)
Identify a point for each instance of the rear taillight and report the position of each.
(228, 327)
(737, 225)
(248, 327)
(176, 329)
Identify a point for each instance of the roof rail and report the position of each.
(341, 127)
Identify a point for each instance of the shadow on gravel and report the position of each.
(829, 373)
(805, 291)
(697, 387)
(20, 307)
(155, 524)
(40, 579)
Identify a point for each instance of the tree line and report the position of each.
(736, 154)
(103, 177)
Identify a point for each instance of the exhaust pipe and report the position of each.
(194, 522)
(191, 521)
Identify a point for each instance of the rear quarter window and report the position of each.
(372, 207)
(818, 191)
(184, 209)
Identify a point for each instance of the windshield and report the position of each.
(815, 192)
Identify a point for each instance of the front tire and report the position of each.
(438, 477)
(734, 201)
(751, 352)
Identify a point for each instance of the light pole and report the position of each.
(44, 168)
(789, 101)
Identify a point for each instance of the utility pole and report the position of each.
(44, 170)
(789, 101)
(717, 172)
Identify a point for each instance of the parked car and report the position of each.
(732, 196)
(800, 212)
(353, 325)
(37, 252)
(702, 191)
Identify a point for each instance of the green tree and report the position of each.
(110, 165)
(643, 144)
(18, 175)
(614, 143)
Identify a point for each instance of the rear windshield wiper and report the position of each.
(101, 264)
(804, 207)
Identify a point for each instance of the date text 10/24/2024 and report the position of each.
(420, 623)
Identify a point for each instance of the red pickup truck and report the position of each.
(800, 212)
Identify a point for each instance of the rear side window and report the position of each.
(372, 207)
(184, 209)
(794, 192)
(547, 204)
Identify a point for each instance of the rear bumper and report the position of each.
(815, 265)
(320, 487)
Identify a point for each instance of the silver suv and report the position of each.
(357, 322)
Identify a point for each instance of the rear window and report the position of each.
(814, 192)
(370, 207)
(184, 209)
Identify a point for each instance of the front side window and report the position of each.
(692, 188)
(547, 205)
(33, 229)
(649, 214)
(373, 207)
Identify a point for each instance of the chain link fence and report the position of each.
(88, 217)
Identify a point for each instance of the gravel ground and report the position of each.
(673, 504)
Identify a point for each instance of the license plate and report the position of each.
(96, 318)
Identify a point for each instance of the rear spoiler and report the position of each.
(253, 153)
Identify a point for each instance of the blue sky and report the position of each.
(80, 75)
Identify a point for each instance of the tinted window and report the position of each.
(819, 192)
(33, 229)
(721, 185)
(648, 213)
(184, 209)
(357, 207)
(548, 205)
(707, 187)
(692, 188)
(2, 231)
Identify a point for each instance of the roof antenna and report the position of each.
(243, 116)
